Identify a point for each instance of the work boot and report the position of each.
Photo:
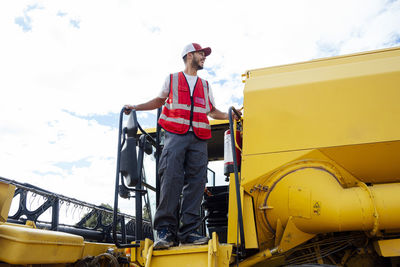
(165, 239)
(195, 239)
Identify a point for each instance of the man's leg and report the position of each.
(172, 178)
(196, 160)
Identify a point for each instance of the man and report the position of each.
(187, 101)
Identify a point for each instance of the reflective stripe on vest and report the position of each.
(174, 87)
(205, 88)
(187, 122)
(185, 107)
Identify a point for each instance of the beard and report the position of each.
(196, 64)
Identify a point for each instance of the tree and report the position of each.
(92, 217)
(146, 213)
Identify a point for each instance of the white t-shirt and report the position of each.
(191, 81)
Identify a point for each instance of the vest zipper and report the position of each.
(191, 111)
(191, 101)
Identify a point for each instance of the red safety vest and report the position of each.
(182, 110)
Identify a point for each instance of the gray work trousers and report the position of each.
(183, 170)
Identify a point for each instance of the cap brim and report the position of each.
(207, 51)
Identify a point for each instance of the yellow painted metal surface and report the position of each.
(297, 200)
(388, 248)
(6, 196)
(257, 166)
(23, 245)
(232, 237)
(211, 255)
(259, 257)
(334, 102)
(248, 218)
(278, 233)
(314, 134)
(333, 208)
(370, 163)
(137, 254)
(292, 236)
(94, 249)
(249, 222)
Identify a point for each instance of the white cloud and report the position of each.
(121, 53)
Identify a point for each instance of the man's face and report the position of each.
(198, 60)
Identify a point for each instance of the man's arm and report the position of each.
(155, 103)
(216, 114)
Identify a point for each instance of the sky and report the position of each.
(68, 67)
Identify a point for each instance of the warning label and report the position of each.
(317, 208)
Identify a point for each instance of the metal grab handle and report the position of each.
(131, 131)
(236, 112)
(117, 176)
(237, 183)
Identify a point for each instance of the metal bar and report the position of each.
(237, 182)
(149, 186)
(34, 215)
(115, 216)
(151, 140)
(117, 177)
(55, 212)
(213, 172)
(123, 230)
(138, 195)
(147, 198)
(85, 218)
(158, 153)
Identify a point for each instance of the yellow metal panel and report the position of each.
(324, 62)
(250, 232)
(388, 248)
(323, 104)
(233, 212)
(254, 259)
(22, 245)
(6, 196)
(194, 259)
(213, 254)
(260, 167)
(387, 202)
(370, 163)
(184, 249)
(299, 202)
(278, 232)
(255, 166)
(137, 254)
(94, 249)
(293, 237)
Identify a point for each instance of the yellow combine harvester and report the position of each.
(317, 180)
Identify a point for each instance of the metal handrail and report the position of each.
(241, 251)
(117, 177)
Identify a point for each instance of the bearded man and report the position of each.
(187, 100)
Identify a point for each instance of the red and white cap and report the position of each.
(193, 47)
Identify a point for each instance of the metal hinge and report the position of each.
(259, 188)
